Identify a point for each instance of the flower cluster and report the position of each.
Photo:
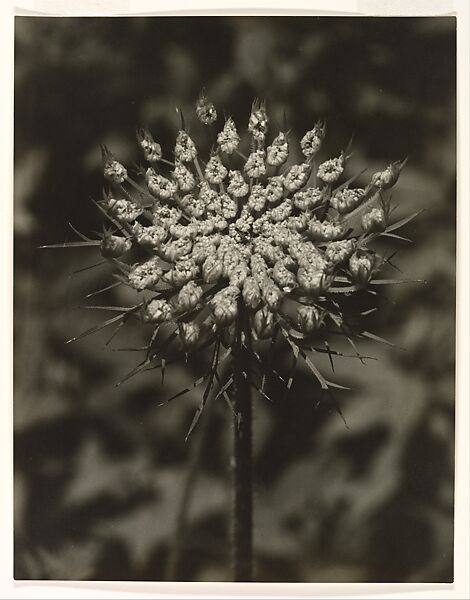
(207, 241)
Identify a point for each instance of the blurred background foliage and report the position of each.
(99, 470)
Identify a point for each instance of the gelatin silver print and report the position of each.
(234, 298)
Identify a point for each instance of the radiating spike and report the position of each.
(103, 262)
(105, 289)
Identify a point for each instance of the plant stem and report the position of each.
(243, 467)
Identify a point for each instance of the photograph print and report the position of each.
(234, 298)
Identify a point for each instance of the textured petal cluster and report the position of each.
(203, 238)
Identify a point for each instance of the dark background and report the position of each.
(99, 470)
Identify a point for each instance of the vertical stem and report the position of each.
(243, 467)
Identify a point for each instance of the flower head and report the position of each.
(219, 242)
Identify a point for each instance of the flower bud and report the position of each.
(258, 122)
(263, 323)
(361, 266)
(152, 150)
(205, 110)
(312, 280)
(185, 149)
(309, 318)
(271, 294)
(254, 166)
(145, 275)
(331, 170)
(274, 189)
(374, 221)
(224, 308)
(212, 269)
(239, 274)
(114, 246)
(387, 178)
(123, 211)
(202, 248)
(150, 237)
(156, 311)
(257, 198)
(307, 199)
(296, 177)
(183, 177)
(346, 200)
(175, 249)
(325, 231)
(160, 186)
(228, 139)
(215, 171)
(281, 212)
(312, 140)
(284, 278)
(237, 187)
(278, 151)
(298, 223)
(184, 269)
(189, 296)
(190, 334)
(338, 252)
(164, 215)
(113, 170)
(251, 292)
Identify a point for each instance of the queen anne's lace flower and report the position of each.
(242, 242)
